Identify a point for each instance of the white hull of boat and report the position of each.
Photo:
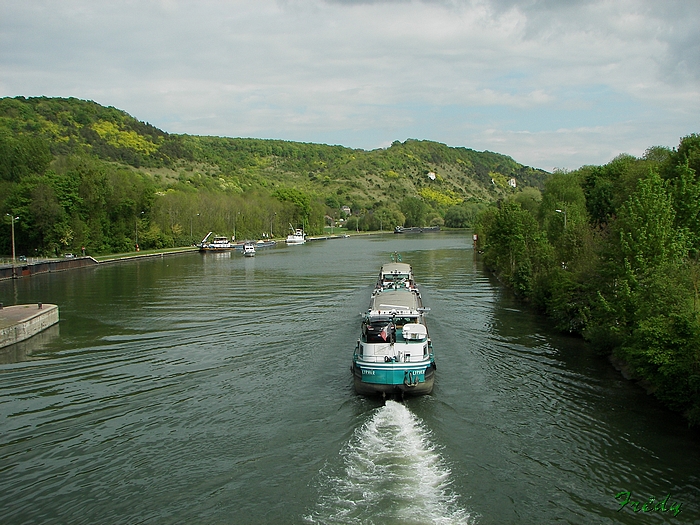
(297, 237)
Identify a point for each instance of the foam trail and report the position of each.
(391, 474)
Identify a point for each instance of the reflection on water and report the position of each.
(23, 350)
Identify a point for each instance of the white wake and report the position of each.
(391, 473)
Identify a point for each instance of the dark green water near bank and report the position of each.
(215, 389)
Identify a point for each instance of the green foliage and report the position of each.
(22, 155)
(684, 188)
(352, 223)
(113, 135)
(624, 269)
(440, 199)
(688, 153)
(563, 206)
(645, 229)
(529, 199)
(663, 351)
(463, 215)
(515, 247)
(415, 211)
(300, 200)
(499, 179)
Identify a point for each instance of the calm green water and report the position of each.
(216, 390)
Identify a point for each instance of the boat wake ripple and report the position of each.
(391, 473)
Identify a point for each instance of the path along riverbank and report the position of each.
(27, 269)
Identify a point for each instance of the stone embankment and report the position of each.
(22, 321)
(26, 269)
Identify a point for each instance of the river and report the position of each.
(216, 389)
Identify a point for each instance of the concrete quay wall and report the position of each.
(58, 265)
(22, 321)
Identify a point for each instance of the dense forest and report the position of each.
(612, 253)
(78, 174)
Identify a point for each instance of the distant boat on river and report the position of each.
(415, 229)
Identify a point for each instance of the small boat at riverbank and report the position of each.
(249, 249)
(297, 237)
(265, 244)
(415, 229)
(257, 245)
(394, 354)
(218, 243)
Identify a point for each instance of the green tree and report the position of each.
(22, 155)
(645, 230)
(515, 247)
(563, 200)
(301, 202)
(684, 187)
(49, 219)
(529, 199)
(463, 215)
(352, 223)
(415, 210)
(644, 265)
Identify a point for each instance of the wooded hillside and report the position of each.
(81, 174)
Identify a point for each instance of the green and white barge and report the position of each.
(394, 354)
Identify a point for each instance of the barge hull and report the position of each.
(393, 382)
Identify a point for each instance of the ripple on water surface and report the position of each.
(211, 390)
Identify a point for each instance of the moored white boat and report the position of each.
(394, 354)
(298, 237)
(218, 244)
(249, 249)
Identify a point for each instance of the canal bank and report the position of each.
(28, 269)
(53, 265)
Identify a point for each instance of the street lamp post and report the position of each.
(564, 212)
(191, 237)
(137, 232)
(271, 219)
(13, 219)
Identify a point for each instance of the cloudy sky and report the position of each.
(552, 83)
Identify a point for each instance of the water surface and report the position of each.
(216, 389)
